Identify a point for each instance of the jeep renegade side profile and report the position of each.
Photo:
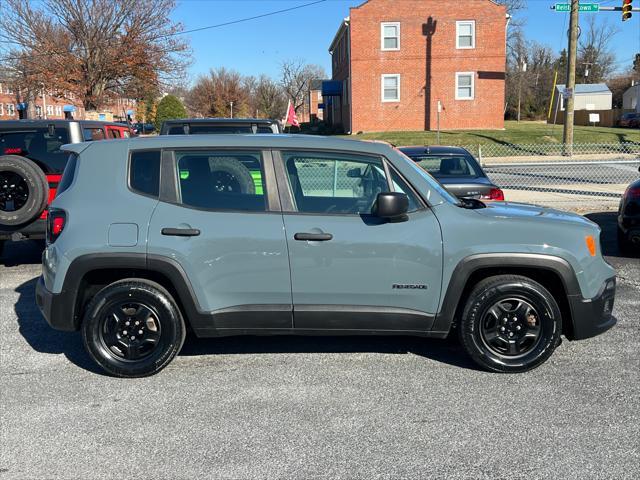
(277, 234)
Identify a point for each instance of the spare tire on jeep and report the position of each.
(231, 176)
(24, 191)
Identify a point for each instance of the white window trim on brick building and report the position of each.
(11, 109)
(471, 75)
(460, 23)
(1, 109)
(390, 75)
(383, 37)
(58, 110)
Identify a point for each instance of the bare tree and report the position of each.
(270, 99)
(594, 52)
(94, 48)
(295, 79)
(212, 95)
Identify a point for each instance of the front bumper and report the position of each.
(593, 316)
(57, 310)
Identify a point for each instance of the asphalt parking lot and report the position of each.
(316, 407)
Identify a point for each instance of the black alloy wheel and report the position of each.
(131, 330)
(511, 327)
(14, 191)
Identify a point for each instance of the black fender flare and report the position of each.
(471, 264)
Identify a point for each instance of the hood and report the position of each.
(519, 211)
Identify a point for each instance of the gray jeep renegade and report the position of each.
(276, 234)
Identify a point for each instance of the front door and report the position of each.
(226, 231)
(350, 269)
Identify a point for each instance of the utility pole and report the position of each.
(522, 68)
(567, 136)
(231, 109)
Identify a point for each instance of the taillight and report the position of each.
(494, 194)
(12, 151)
(633, 192)
(56, 221)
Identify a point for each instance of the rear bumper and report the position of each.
(56, 310)
(35, 230)
(593, 316)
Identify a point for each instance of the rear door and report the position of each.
(219, 217)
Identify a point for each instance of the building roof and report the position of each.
(343, 25)
(587, 88)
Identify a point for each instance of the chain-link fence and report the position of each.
(584, 177)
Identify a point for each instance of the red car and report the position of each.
(31, 164)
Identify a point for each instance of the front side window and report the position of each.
(334, 183)
(466, 34)
(391, 88)
(221, 180)
(464, 86)
(144, 172)
(390, 33)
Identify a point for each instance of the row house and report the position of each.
(418, 65)
(55, 108)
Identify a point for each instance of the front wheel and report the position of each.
(510, 324)
(133, 328)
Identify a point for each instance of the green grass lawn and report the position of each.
(514, 132)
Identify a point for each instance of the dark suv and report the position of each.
(31, 164)
(191, 126)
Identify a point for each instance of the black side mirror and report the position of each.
(392, 205)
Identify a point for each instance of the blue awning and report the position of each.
(69, 108)
(332, 88)
(130, 112)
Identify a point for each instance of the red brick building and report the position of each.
(52, 107)
(395, 63)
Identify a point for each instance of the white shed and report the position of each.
(589, 96)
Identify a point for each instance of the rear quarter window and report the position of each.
(41, 144)
(144, 172)
(92, 134)
(68, 175)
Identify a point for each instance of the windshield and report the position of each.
(444, 193)
(448, 166)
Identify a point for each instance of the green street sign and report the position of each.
(582, 7)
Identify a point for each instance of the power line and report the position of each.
(199, 29)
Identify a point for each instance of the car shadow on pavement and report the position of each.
(27, 252)
(608, 222)
(44, 339)
(446, 351)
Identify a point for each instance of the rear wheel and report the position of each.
(510, 324)
(23, 191)
(133, 328)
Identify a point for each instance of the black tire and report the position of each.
(535, 333)
(231, 176)
(29, 191)
(122, 301)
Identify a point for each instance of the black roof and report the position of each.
(227, 121)
(434, 150)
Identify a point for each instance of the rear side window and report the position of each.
(144, 172)
(68, 175)
(91, 134)
(441, 166)
(222, 180)
(114, 134)
(40, 144)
